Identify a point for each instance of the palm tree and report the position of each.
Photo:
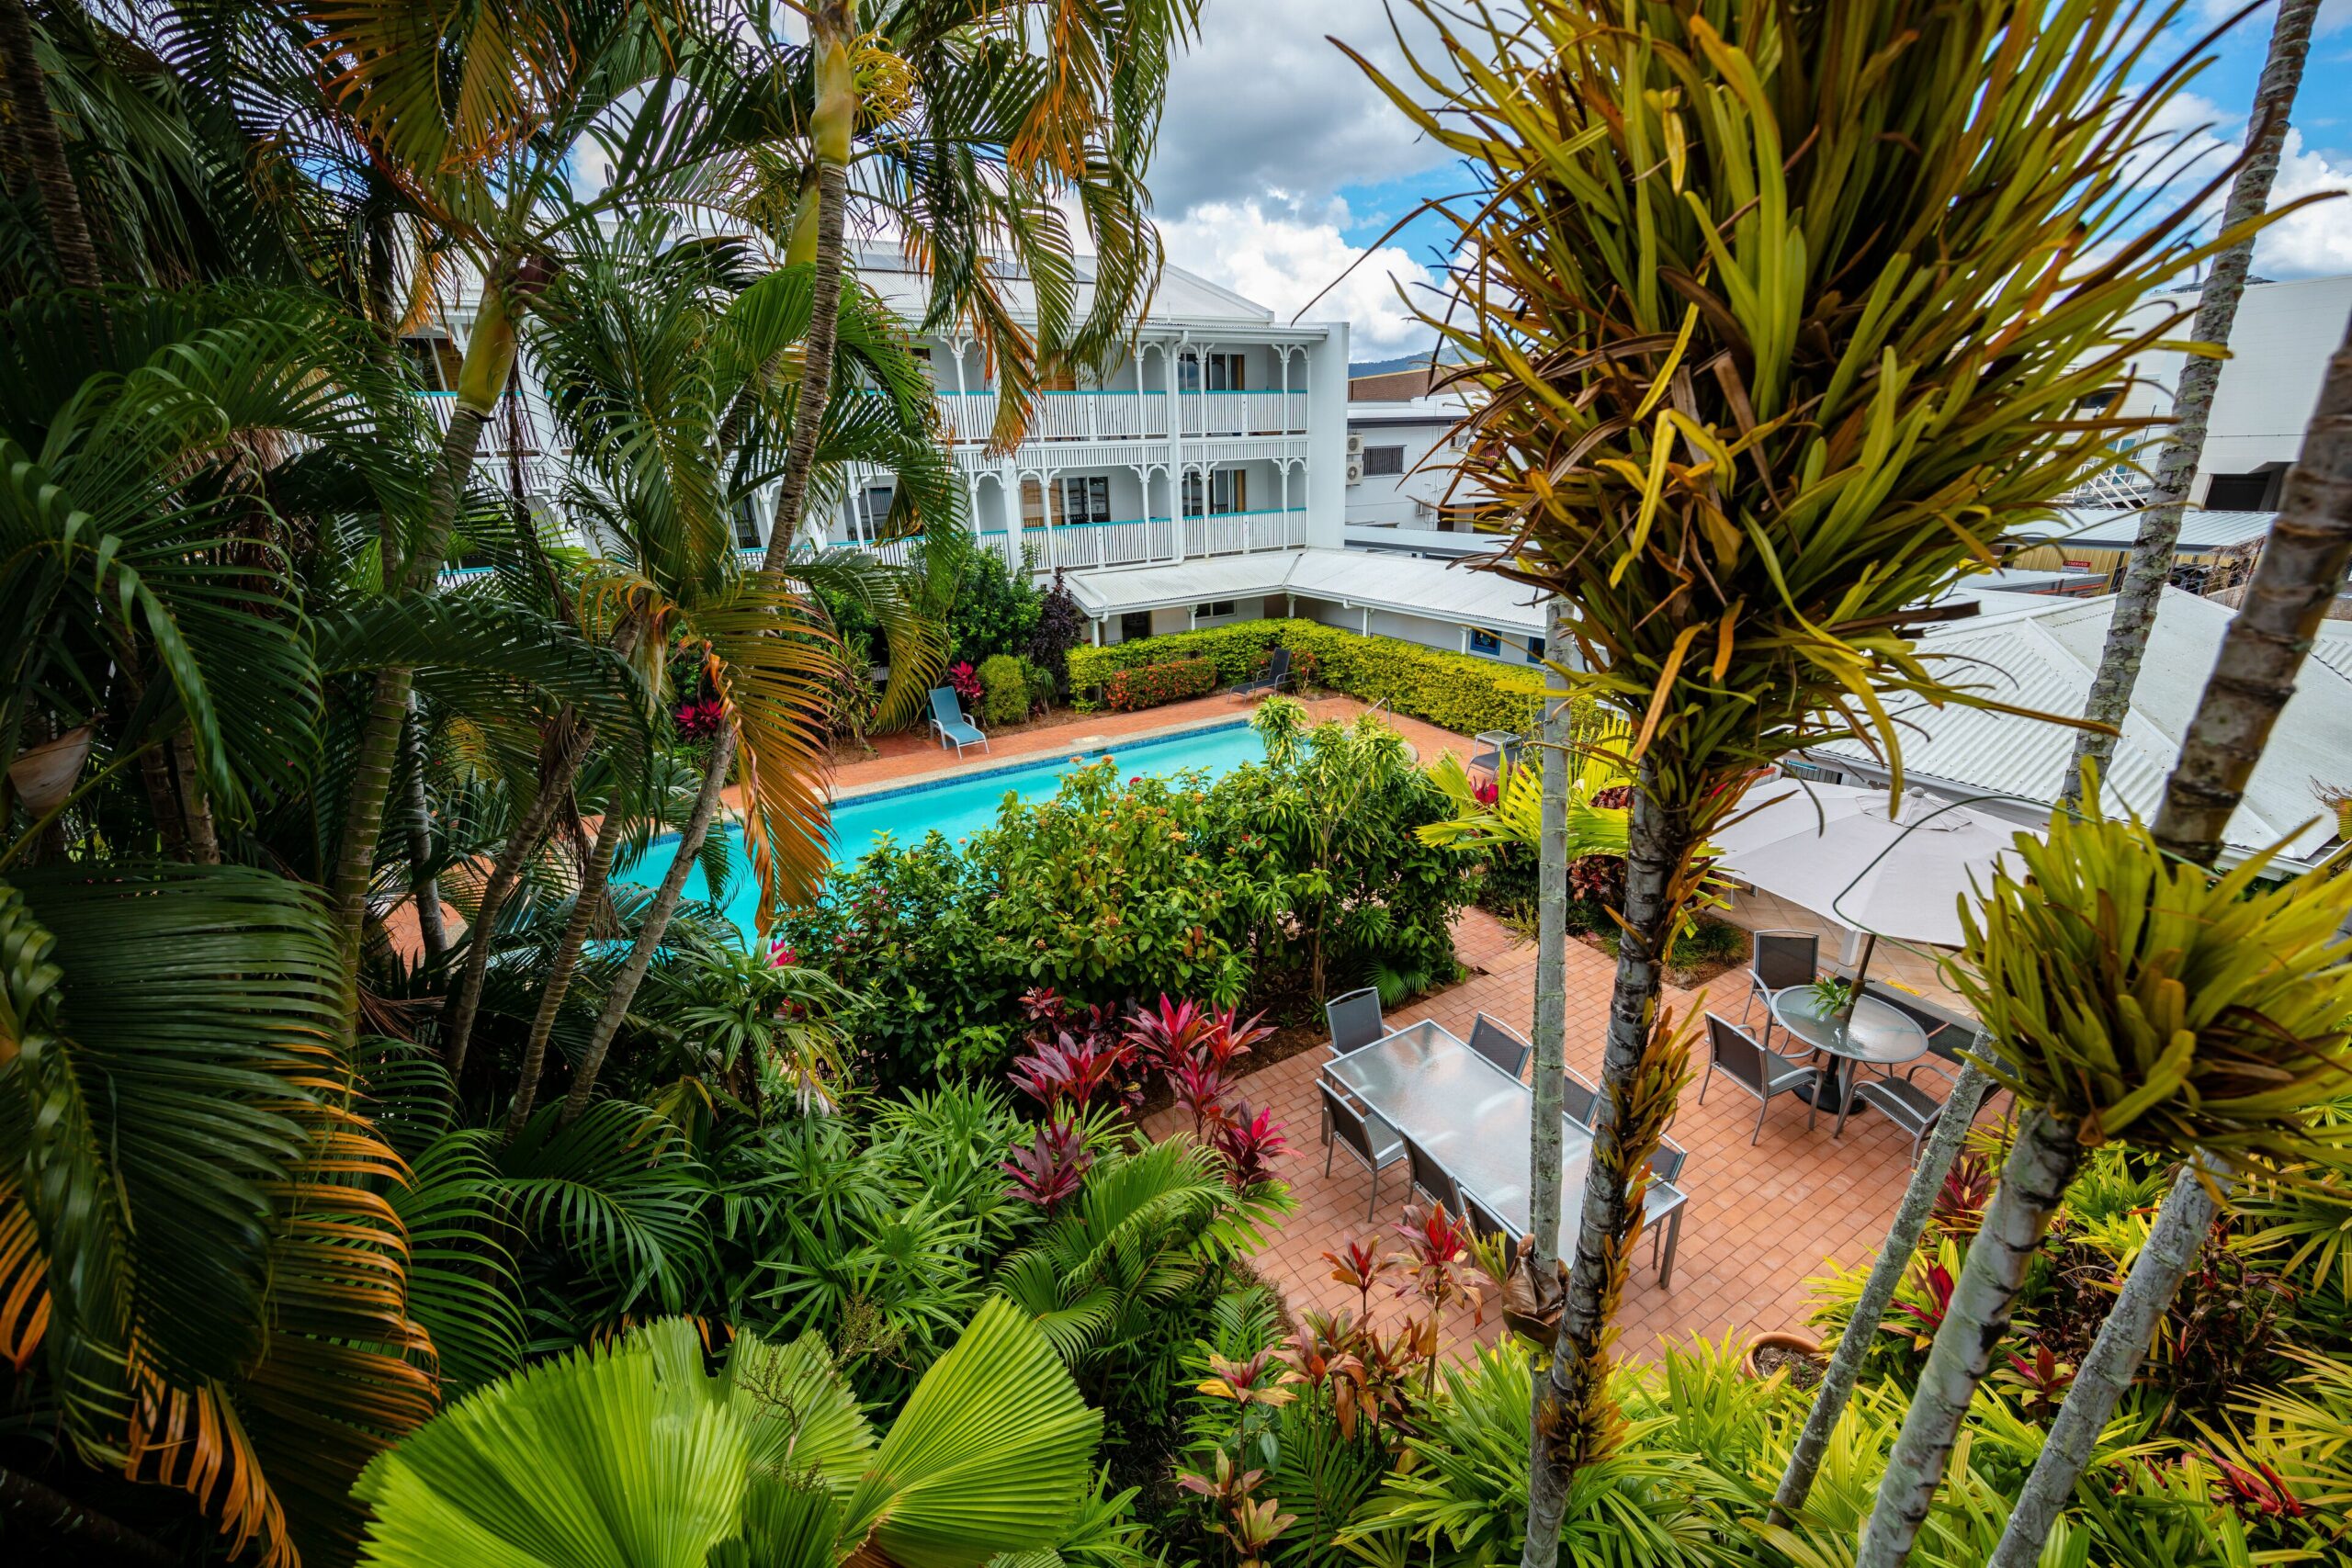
(974, 124)
(1763, 367)
(2293, 585)
(662, 376)
(2135, 616)
(632, 1454)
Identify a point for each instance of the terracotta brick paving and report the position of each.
(1760, 1220)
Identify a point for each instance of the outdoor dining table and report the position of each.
(1474, 1119)
(1876, 1035)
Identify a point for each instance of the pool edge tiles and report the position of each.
(867, 795)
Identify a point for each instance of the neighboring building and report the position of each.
(2280, 346)
(2040, 652)
(1400, 465)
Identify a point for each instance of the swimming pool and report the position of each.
(961, 807)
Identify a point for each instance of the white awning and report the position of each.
(1433, 590)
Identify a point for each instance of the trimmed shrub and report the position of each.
(1004, 690)
(1452, 690)
(1152, 685)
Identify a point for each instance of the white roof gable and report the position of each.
(2041, 653)
(1443, 591)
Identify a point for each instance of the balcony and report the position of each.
(1127, 542)
(1131, 416)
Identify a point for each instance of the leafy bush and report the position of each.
(1151, 685)
(1117, 890)
(1452, 690)
(1004, 690)
(996, 610)
(1061, 626)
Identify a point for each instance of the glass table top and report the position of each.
(1877, 1033)
(1468, 1115)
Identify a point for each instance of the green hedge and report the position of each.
(1149, 685)
(1452, 690)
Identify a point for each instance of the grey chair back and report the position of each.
(1576, 1098)
(1349, 1126)
(1278, 667)
(1484, 1221)
(1667, 1163)
(1948, 1033)
(1738, 1055)
(1353, 1020)
(1500, 1045)
(1786, 958)
(1431, 1178)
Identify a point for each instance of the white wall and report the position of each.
(1409, 500)
(1327, 440)
(2279, 351)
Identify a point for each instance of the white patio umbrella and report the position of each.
(1841, 851)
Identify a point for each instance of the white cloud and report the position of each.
(2312, 242)
(1282, 260)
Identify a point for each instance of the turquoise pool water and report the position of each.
(960, 807)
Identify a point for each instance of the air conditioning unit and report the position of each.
(1355, 469)
(1355, 446)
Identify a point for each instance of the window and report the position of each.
(874, 508)
(1086, 498)
(1535, 651)
(2098, 401)
(1223, 372)
(1213, 609)
(2240, 493)
(1487, 643)
(1380, 460)
(747, 525)
(1135, 625)
(1227, 490)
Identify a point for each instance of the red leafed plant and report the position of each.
(2255, 1490)
(1248, 1142)
(1071, 1072)
(1437, 1255)
(966, 682)
(1227, 1035)
(1360, 1266)
(1200, 1088)
(1934, 1282)
(699, 720)
(1050, 1168)
(1166, 1034)
(1960, 1201)
(2041, 1378)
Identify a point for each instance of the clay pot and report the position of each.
(1803, 1345)
(44, 776)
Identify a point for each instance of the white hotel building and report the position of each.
(1203, 479)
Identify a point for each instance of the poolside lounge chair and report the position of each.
(1277, 676)
(948, 723)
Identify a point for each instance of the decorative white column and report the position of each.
(1008, 485)
(1169, 352)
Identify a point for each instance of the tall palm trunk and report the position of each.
(2151, 563)
(656, 921)
(1574, 1423)
(506, 872)
(585, 904)
(2303, 564)
(2043, 1163)
(2123, 1335)
(481, 376)
(1551, 1022)
(817, 237)
(43, 150)
(1893, 1258)
(425, 888)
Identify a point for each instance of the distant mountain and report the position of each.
(1402, 362)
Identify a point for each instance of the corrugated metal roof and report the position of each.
(2041, 654)
(2120, 529)
(2333, 647)
(1454, 595)
(1181, 296)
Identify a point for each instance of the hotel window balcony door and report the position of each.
(872, 505)
(1084, 498)
(1211, 373)
(1228, 490)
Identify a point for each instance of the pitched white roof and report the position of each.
(2040, 652)
(2118, 530)
(1180, 296)
(1408, 585)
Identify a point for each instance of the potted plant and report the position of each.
(1799, 1355)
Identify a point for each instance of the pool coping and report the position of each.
(1078, 745)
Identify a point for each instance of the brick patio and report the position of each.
(1760, 1220)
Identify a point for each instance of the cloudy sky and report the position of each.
(1280, 164)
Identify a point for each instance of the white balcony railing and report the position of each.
(970, 417)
